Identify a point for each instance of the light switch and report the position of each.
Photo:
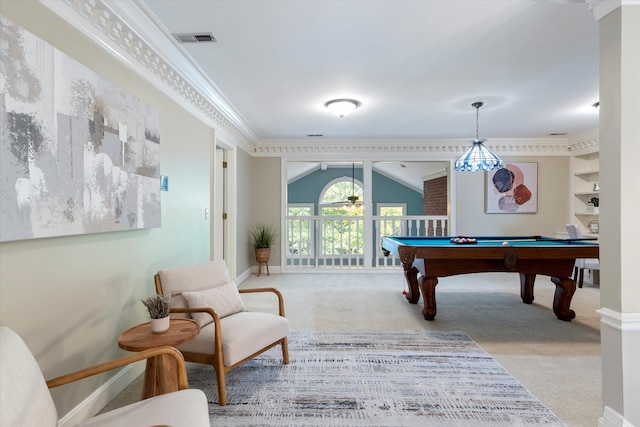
(206, 213)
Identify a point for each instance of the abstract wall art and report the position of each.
(512, 189)
(78, 154)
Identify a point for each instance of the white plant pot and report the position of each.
(596, 209)
(159, 326)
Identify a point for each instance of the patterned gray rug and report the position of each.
(407, 378)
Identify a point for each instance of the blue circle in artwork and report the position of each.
(503, 180)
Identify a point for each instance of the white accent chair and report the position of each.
(581, 263)
(229, 335)
(25, 399)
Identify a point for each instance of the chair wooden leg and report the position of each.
(222, 388)
(575, 274)
(285, 350)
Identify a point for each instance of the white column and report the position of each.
(620, 208)
(367, 177)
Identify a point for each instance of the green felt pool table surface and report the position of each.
(492, 241)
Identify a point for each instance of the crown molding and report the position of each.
(602, 8)
(128, 31)
(399, 150)
(584, 142)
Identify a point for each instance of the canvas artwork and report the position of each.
(512, 189)
(77, 153)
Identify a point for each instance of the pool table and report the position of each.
(435, 257)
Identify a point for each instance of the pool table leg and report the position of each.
(565, 288)
(411, 275)
(526, 287)
(428, 288)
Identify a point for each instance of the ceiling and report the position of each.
(416, 66)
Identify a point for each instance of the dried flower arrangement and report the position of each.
(157, 305)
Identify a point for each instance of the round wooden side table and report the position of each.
(160, 375)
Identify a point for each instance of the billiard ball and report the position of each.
(505, 243)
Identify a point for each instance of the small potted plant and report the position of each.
(263, 236)
(158, 307)
(595, 201)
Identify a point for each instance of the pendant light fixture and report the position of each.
(342, 107)
(478, 157)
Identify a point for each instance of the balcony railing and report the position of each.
(339, 242)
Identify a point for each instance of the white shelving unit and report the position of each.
(585, 182)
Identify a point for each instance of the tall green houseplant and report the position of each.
(263, 236)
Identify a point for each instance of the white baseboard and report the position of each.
(102, 396)
(611, 418)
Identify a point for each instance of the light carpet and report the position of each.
(365, 378)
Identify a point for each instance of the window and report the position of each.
(390, 226)
(335, 197)
(342, 229)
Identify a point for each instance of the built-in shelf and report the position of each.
(585, 185)
(587, 172)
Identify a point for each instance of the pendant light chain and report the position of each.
(477, 105)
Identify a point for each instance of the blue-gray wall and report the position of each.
(308, 188)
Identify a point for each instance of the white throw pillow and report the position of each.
(225, 300)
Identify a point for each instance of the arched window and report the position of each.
(334, 198)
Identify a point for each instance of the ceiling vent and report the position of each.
(195, 37)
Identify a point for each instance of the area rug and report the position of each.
(394, 378)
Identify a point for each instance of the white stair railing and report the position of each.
(337, 242)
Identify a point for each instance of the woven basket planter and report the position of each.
(263, 254)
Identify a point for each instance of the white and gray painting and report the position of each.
(77, 153)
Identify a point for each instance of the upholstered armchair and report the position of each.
(229, 335)
(581, 263)
(25, 399)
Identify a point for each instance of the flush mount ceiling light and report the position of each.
(478, 157)
(342, 107)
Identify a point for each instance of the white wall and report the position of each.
(553, 202)
(70, 297)
(266, 200)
